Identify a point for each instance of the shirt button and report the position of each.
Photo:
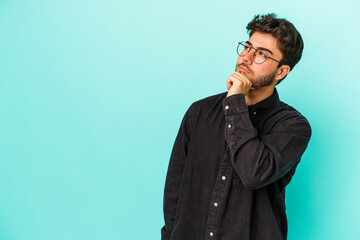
(254, 113)
(226, 107)
(216, 204)
(211, 234)
(223, 178)
(229, 126)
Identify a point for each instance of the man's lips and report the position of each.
(243, 69)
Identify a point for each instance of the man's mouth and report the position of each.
(243, 69)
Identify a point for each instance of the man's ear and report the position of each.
(282, 72)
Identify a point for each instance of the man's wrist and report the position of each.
(235, 102)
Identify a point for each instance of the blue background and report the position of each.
(92, 94)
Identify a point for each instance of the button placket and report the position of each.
(217, 196)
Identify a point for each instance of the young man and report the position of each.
(236, 151)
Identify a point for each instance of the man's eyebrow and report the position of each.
(261, 48)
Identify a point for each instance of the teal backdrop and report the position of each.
(92, 94)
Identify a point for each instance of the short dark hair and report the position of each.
(290, 42)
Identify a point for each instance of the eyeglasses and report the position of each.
(260, 55)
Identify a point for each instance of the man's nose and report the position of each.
(248, 58)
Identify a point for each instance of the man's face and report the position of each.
(261, 75)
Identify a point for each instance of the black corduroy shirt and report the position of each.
(229, 167)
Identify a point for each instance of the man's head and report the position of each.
(284, 42)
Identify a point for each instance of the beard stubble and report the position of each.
(262, 81)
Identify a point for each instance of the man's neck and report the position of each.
(259, 94)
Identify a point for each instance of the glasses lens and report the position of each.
(260, 56)
(242, 49)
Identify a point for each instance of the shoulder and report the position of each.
(211, 101)
(288, 117)
(206, 106)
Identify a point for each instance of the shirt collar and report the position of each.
(267, 103)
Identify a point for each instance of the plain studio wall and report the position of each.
(92, 94)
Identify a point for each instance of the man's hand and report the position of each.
(238, 83)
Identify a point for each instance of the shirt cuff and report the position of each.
(235, 103)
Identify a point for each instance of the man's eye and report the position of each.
(247, 47)
(262, 53)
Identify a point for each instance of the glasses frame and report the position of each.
(243, 43)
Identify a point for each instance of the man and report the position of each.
(236, 151)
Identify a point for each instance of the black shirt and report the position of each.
(229, 167)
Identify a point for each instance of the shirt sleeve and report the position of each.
(261, 160)
(174, 175)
